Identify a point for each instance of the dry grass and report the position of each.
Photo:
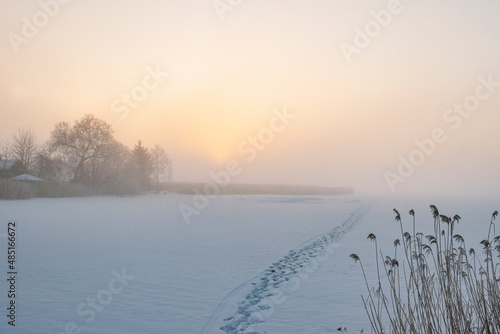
(433, 283)
(261, 189)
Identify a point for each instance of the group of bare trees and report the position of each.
(23, 147)
(87, 153)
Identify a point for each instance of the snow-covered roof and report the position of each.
(7, 164)
(26, 177)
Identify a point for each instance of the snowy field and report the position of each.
(245, 264)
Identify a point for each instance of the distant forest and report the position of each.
(79, 159)
(84, 159)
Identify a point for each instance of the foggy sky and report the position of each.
(354, 117)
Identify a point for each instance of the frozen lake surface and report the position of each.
(246, 264)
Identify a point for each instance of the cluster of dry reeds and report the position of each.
(438, 286)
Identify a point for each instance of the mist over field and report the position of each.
(385, 97)
(215, 166)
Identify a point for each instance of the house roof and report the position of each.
(7, 164)
(26, 177)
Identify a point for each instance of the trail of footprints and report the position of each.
(266, 293)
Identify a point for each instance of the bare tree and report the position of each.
(51, 167)
(85, 146)
(24, 146)
(160, 164)
(5, 151)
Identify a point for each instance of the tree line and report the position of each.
(86, 153)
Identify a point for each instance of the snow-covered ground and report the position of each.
(245, 264)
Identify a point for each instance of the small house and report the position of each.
(26, 178)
